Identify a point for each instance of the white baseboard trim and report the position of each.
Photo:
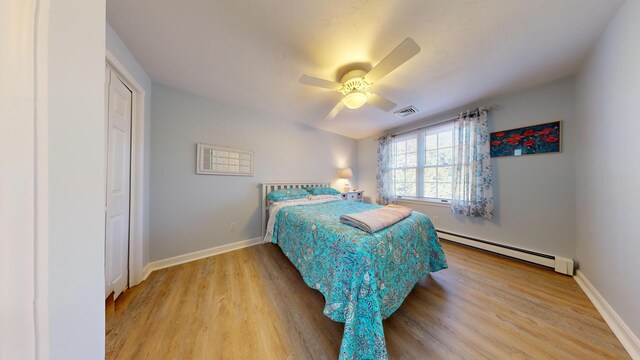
(146, 271)
(558, 263)
(628, 339)
(197, 255)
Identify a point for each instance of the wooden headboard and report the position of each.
(270, 186)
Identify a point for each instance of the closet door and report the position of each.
(118, 181)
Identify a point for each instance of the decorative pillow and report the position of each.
(322, 190)
(325, 197)
(287, 194)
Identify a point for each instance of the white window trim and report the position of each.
(424, 201)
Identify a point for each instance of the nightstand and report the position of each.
(354, 195)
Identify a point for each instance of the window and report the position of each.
(423, 163)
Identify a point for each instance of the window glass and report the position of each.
(412, 146)
(412, 159)
(431, 157)
(430, 174)
(445, 156)
(445, 139)
(431, 190)
(431, 142)
(445, 174)
(444, 190)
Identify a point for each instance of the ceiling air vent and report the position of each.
(408, 111)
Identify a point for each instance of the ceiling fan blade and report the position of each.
(403, 52)
(380, 102)
(314, 81)
(334, 112)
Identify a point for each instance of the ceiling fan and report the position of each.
(354, 84)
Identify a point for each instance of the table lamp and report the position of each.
(346, 174)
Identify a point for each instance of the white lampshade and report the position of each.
(355, 99)
(345, 173)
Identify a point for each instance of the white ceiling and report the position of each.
(251, 53)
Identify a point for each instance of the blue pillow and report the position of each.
(287, 194)
(322, 190)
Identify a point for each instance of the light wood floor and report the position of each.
(253, 304)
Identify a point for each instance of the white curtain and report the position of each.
(385, 191)
(472, 188)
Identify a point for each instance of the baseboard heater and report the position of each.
(558, 263)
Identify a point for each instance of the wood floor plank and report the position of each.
(252, 303)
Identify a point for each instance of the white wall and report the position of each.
(608, 171)
(192, 212)
(76, 179)
(122, 53)
(534, 196)
(17, 179)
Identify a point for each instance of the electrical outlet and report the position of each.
(435, 219)
(233, 227)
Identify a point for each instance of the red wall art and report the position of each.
(536, 139)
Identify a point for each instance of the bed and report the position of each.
(363, 277)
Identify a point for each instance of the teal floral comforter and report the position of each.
(364, 278)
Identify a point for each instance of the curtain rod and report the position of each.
(491, 107)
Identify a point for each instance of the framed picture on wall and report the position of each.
(535, 139)
(223, 160)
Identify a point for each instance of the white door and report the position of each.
(119, 99)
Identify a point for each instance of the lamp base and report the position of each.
(347, 187)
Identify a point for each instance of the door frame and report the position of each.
(24, 142)
(137, 187)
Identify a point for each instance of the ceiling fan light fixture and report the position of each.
(354, 85)
(354, 99)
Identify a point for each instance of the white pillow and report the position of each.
(292, 201)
